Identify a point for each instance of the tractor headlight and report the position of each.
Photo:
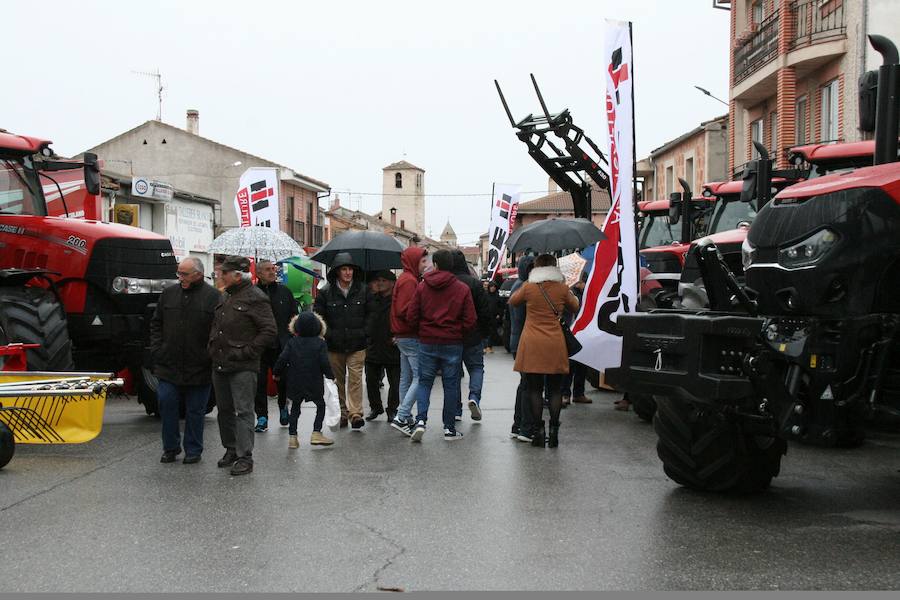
(809, 251)
(748, 253)
(136, 285)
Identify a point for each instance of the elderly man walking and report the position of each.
(284, 308)
(179, 329)
(344, 304)
(242, 330)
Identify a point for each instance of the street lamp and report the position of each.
(707, 92)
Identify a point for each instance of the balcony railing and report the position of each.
(816, 21)
(317, 235)
(758, 50)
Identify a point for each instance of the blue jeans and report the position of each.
(409, 376)
(447, 358)
(195, 399)
(473, 359)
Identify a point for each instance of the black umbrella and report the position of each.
(371, 250)
(555, 234)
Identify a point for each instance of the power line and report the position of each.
(471, 195)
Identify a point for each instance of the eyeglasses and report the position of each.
(184, 273)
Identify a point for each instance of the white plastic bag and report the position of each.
(332, 405)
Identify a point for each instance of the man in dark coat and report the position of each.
(344, 304)
(242, 330)
(284, 308)
(473, 348)
(522, 420)
(382, 355)
(179, 329)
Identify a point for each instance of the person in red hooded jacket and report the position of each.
(406, 336)
(443, 312)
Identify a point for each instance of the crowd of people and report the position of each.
(435, 319)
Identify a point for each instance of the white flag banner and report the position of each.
(256, 201)
(504, 205)
(611, 288)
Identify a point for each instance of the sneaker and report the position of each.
(284, 417)
(357, 423)
(451, 435)
(262, 424)
(318, 439)
(401, 426)
(242, 466)
(457, 418)
(524, 436)
(418, 432)
(293, 442)
(514, 432)
(227, 460)
(475, 410)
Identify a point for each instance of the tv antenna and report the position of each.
(159, 88)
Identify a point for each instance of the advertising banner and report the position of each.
(504, 205)
(256, 201)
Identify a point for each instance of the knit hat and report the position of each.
(306, 324)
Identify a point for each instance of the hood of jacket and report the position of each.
(524, 265)
(460, 266)
(307, 324)
(410, 258)
(343, 259)
(439, 279)
(541, 274)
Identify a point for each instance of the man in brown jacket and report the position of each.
(242, 329)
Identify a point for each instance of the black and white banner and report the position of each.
(504, 205)
(256, 201)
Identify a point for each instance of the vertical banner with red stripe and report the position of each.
(611, 288)
(256, 201)
(504, 205)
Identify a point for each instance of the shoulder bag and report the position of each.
(573, 346)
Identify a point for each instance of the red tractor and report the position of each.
(79, 288)
(808, 348)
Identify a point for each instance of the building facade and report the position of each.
(795, 67)
(203, 167)
(698, 156)
(403, 195)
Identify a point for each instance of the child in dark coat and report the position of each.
(303, 363)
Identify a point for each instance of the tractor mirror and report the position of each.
(91, 173)
(748, 190)
(674, 208)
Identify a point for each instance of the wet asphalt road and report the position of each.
(485, 512)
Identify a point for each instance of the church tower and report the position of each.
(403, 189)
(448, 236)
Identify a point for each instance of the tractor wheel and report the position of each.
(7, 445)
(146, 390)
(704, 448)
(643, 405)
(33, 315)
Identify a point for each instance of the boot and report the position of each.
(293, 442)
(553, 442)
(537, 438)
(317, 439)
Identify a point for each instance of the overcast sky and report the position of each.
(339, 90)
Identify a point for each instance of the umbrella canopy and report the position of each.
(371, 250)
(555, 234)
(260, 243)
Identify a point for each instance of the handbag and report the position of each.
(573, 346)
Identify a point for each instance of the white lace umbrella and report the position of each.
(260, 243)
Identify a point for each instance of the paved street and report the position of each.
(486, 512)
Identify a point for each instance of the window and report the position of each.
(419, 180)
(757, 12)
(398, 180)
(773, 123)
(299, 231)
(802, 133)
(15, 194)
(670, 180)
(756, 135)
(689, 171)
(829, 106)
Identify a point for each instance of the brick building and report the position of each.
(794, 71)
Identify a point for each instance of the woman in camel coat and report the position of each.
(542, 347)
